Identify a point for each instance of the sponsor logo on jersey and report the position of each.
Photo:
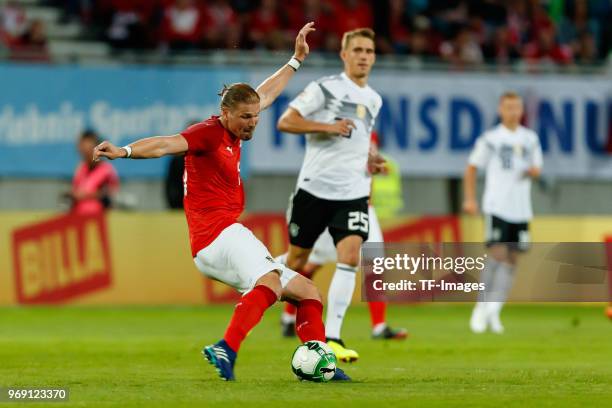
(518, 149)
(360, 111)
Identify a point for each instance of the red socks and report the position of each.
(378, 310)
(289, 308)
(247, 314)
(309, 321)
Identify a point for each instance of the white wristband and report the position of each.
(128, 149)
(294, 63)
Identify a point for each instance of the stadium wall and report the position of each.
(267, 192)
(427, 124)
(428, 121)
(144, 258)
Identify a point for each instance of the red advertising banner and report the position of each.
(61, 258)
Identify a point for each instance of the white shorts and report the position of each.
(237, 258)
(324, 250)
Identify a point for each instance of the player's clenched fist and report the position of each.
(108, 150)
(342, 127)
(376, 162)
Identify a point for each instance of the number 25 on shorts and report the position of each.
(358, 221)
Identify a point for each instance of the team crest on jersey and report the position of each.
(518, 150)
(294, 229)
(360, 111)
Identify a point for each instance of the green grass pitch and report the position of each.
(551, 355)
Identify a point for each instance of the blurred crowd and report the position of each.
(20, 37)
(462, 32)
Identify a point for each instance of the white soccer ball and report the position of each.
(314, 361)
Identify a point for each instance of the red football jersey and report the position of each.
(214, 195)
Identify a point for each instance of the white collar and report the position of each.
(346, 78)
(514, 132)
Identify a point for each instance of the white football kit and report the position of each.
(506, 155)
(335, 167)
(237, 258)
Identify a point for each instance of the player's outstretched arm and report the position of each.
(270, 88)
(148, 148)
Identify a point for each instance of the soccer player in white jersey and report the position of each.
(511, 156)
(337, 114)
(324, 252)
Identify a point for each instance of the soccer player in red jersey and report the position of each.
(222, 248)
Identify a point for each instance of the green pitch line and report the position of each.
(551, 355)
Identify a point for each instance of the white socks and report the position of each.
(502, 284)
(498, 278)
(338, 298)
(487, 277)
(478, 321)
(379, 328)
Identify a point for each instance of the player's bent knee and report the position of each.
(312, 292)
(499, 252)
(349, 250)
(272, 281)
(301, 288)
(349, 257)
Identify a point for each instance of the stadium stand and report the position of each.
(462, 33)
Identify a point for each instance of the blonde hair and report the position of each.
(358, 32)
(510, 95)
(237, 93)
